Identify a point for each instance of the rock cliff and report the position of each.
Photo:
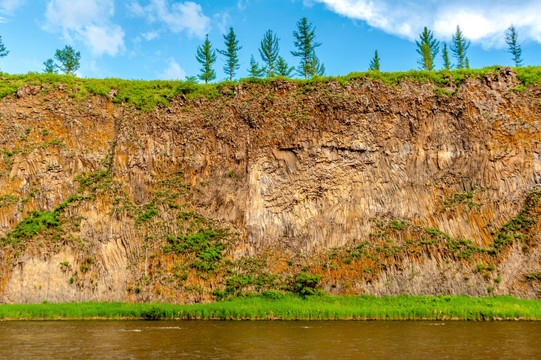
(407, 188)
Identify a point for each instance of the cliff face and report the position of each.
(378, 189)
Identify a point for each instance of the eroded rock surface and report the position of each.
(379, 189)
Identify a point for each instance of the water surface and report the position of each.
(269, 340)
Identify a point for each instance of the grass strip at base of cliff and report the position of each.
(278, 306)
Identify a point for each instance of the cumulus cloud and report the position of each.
(185, 16)
(86, 20)
(104, 40)
(482, 21)
(173, 71)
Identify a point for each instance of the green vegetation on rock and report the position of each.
(38, 221)
(146, 95)
(519, 226)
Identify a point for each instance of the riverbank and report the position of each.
(277, 306)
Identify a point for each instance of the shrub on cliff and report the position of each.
(305, 284)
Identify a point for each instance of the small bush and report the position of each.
(398, 225)
(148, 214)
(30, 226)
(273, 295)
(533, 276)
(207, 246)
(154, 313)
(305, 285)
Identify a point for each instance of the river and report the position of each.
(269, 340)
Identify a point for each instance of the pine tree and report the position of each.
(315, 67)
(50, 67)
(3, 51)
(269, 51)
(255, 71)
(306, 45)
(374, 63)
(282, 68)
(426, 58)
(428, 48)
(231, 53)
(206, 56)
(511, 38)
(459, 45)
(68, 59)
(446, 62)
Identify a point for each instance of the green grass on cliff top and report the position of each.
(278, 306)
(145, 95)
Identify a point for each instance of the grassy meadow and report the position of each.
(146, 95)
(277, 306)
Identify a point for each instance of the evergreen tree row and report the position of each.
(428, 48)
(273, 64)
(305, 44)
(309, 65)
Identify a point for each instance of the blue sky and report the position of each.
(157, 39)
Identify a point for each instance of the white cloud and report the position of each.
(71, 14)
(173, 71)
(151, 35)
(9, 6)
(242, 4)
(86, 20)
(482, 21)
(104, 40)
(222, 21)
(177, 17)
(136, 9)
